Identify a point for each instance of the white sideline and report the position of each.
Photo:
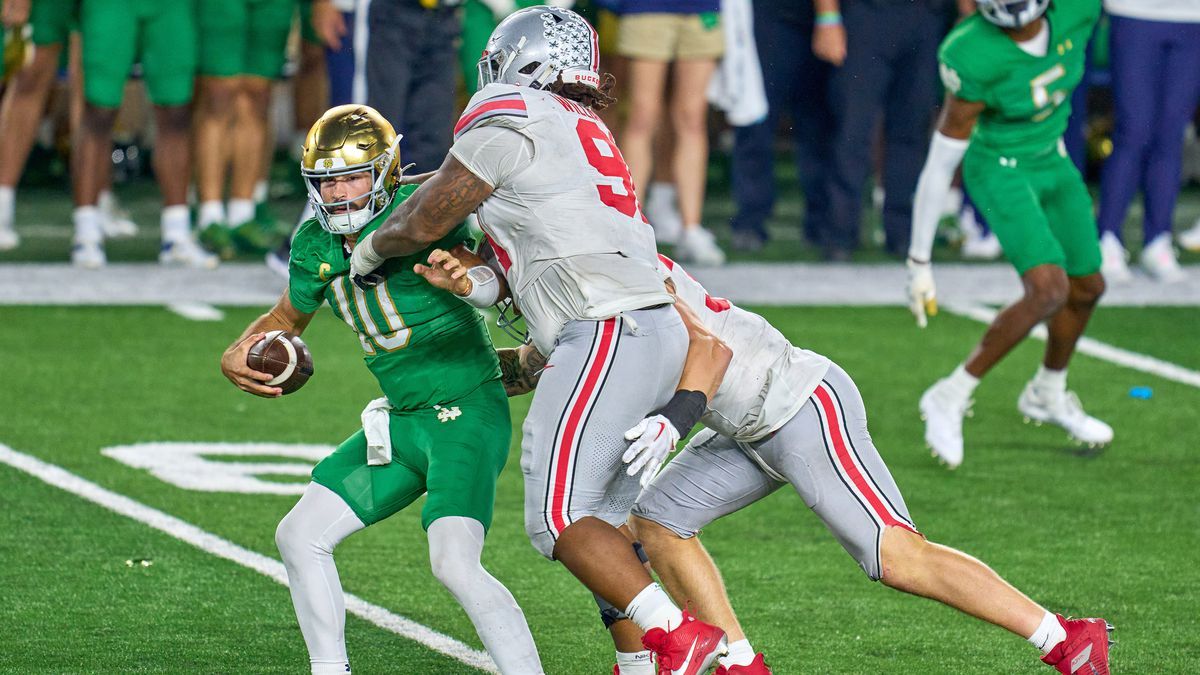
(196, 311)
(1096, 348)
(211, 543)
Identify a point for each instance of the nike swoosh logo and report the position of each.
(688, 661)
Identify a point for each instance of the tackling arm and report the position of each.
(283, 316)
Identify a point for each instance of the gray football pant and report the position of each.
(824, 451)
(602, 378)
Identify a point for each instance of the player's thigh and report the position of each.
(109, 31)
(467, 452)
(602, 379)
(169, 52)
(50, 21)
(1008, 200)
(711, 478)
(374, 492)
(222, 33)
(1070, 212)
(268, 24)
(827, 454)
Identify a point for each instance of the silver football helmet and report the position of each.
(533, 47)
(1012, 13)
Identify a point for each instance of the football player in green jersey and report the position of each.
(441, 429)
(1009, 71)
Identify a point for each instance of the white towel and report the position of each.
(737, 86)
(376, 420)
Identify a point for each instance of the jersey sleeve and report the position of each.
(494, 105)
(492, 153)
(306, 289)
(686, 288)
(958, 77)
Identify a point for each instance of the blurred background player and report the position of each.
(242, 51)
(1009, 72)
(675, 41)
(1155, 64)
(162, 37)
(442, 428)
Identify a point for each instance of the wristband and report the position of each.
(829, 18)
(485, 287)
(684, 410)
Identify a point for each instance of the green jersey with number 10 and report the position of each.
(425, 346)
(1028, 97)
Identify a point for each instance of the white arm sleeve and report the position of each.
(945, 153)
(493, 153)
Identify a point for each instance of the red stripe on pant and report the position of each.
(861, 485)
(569, 441)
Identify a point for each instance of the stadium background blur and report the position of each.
(90, 591)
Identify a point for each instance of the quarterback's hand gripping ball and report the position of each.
(922, 294)
(653, 439)
(283, 355)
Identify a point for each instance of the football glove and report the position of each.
(653, 439)
(922, 294)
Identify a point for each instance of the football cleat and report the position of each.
(699, 246)
(187, 253)
(114, 220)
(756, 667)
(217, 238)
(1113, 257)
(1085, 650)
(1190, 238)
(1158, 259)
(88, 254)
(8, 238)
(687, 649)
(943, 412)
(1063, 409)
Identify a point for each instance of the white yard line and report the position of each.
(196, 311)
(222, 548)
(1096, 348)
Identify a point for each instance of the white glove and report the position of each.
(922, 294)
(653, 439)
(364, 261)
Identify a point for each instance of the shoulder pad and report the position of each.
(495, 104)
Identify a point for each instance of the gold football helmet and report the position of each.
(351, 139)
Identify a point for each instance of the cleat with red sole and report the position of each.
(756, 667)
(688, 649)
(1085, 651)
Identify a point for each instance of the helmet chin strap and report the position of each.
(349, 223)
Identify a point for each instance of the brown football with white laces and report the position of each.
(283, 355)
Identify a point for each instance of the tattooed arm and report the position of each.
(441, 203)
(520, 369)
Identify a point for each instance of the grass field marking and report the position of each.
(222, 548)
(1096, 348)
(196, 311)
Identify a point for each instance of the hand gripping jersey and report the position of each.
(1028, 97)
(563, 220)
(769, 379)
(424, 345)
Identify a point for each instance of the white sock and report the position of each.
(1050, 380)
(106, 201)
(176, 223)
(662, 195)
(87, 224)
(455, 547)
(261, 191)
(961, 382)
(8, 206)
(1048, 634)
(635, 663)
(652, 608)
(306, 538)
(740, 654)
(240, 211)
(211, 212)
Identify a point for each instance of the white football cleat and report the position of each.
(1158, 259)
(88, 254)
(1112, 259)
(943, 412)
(187, 253)
(976, 245)
(664, 216)
(8, 238)
(114, 220)
(699, 246)
(1190, 239)
(1062, 408)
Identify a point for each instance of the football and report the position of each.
(283, 355)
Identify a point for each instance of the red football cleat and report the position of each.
(1085, 651)
(756, 667)
(688, 649)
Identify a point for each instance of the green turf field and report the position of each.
(1086, 533)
